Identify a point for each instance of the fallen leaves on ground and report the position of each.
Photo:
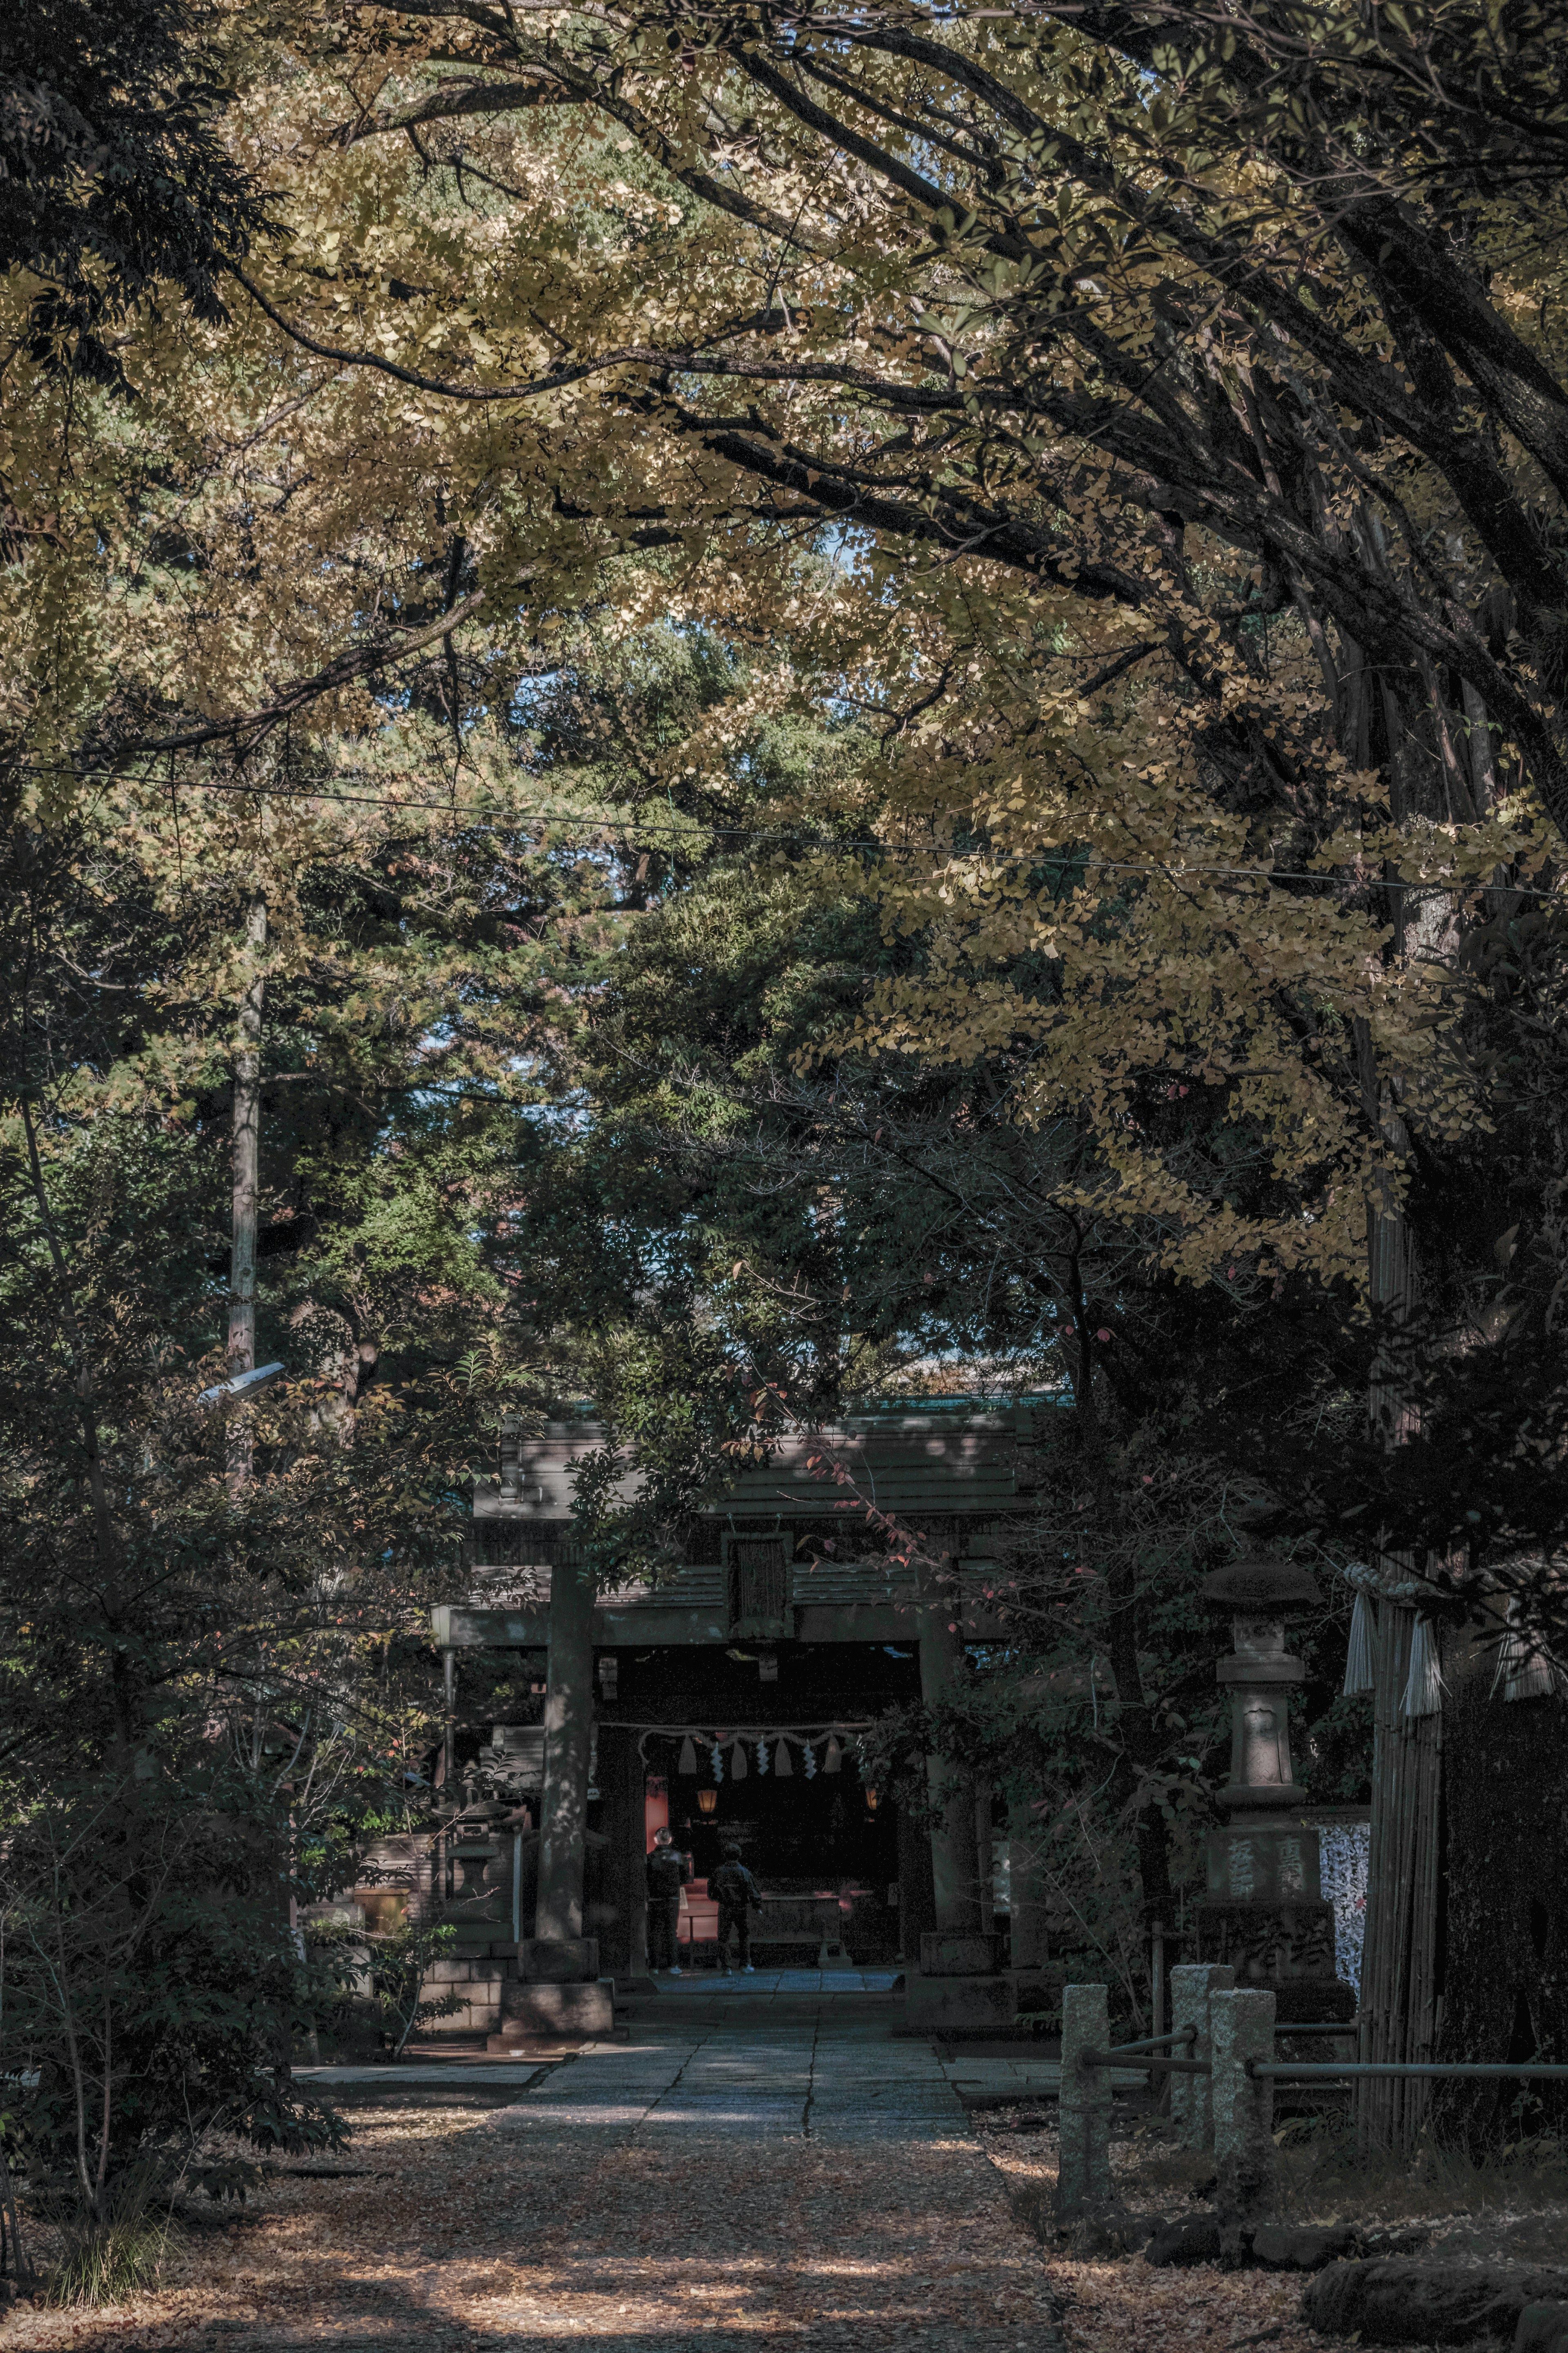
(1122, 2304)
(481, 2227)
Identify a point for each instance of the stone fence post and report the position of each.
(1241, 2027)
(1192, 2106)
(1083, 2179)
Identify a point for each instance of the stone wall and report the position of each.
(477, 1982)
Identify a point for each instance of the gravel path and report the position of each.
(749, 2165)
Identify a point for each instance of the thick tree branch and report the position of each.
(359, 663)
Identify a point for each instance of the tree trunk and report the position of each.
(247, 1187)
(1398, 1993)
(1140, 1734)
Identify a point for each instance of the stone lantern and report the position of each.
(1263, 1909)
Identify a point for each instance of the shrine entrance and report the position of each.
(724, 1757)
(822, 1831)
(840, 1577)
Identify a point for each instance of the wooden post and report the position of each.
(1398, 1984)
(447, 1763)
(1157, 2007)
(246, 1184)
(1398, 2005)
(622, 1928)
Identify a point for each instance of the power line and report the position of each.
(485, 821)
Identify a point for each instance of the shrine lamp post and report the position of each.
(1263, 1909)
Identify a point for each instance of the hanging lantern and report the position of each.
(782, 1764)
(832, 1760)
(738, 1767)
(873, 1799)
(687, 1759)
(761, 1756)
(708, 1801)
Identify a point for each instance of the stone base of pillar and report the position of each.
(1034, 1992)
(960, 1954)
(955, 2005)
(554, 2012)
(558, 1961)
(1279, 1942)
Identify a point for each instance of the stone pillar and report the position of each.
(568, 1736)
(984, 1861)
(560, 1991)
(1026, 1895)
(1241, 2027)
(1192, 2108)
(917, 1902)
(955, 1867)
(1028, 1907)
(620, 1922)
(1083, 2179)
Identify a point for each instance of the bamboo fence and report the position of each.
(1399, 2005)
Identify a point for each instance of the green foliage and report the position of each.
(152, 1984)
(400, 1962)
(116, 183)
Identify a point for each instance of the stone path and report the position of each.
(754, 2163)
(747, 2010)
(725, 2072)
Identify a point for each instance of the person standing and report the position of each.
(737, 1894)
(668, 1872)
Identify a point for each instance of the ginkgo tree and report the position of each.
(1184, 393)
(1171, 409)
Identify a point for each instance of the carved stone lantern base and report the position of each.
(1287, 1947)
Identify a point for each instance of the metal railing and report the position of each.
(1126, 2054)
(1155, 2042)
(1227, 2110)
(1323, 2070)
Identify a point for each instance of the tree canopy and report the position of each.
(823, 700)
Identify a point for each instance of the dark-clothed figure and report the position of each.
(668, 1872)
(736, 1894)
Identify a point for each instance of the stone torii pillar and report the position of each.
(568, 1742)
(559, 1988)
(957, 1984)
(954, 1850)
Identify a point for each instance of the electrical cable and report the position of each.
(628, 828)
